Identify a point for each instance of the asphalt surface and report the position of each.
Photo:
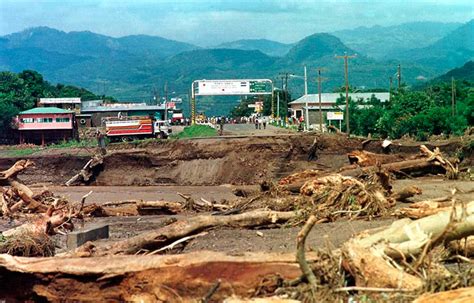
(249, 129)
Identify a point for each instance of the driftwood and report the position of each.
(364, 158)
(370, 269)
(430, 161)
(87, 171)
(155, 239)
(18, 189)
(32, 238)
(426, 208)
(169, 278)
(407, 237)
(371, 258)
(13, 171)
(203, 205)
(463, 247)
(406, 193)
(300, 254)
(460, 295)
(133, 208)
(155, 207)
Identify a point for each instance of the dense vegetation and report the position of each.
(418, 113)
(20, 92)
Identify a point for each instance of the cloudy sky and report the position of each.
(209, 22)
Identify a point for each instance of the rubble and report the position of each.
(405, 259)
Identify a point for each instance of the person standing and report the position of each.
(256, 122)
(264, 122)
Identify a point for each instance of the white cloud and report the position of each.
(212, 22)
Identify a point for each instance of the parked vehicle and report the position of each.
(131, 128)
(177, 119)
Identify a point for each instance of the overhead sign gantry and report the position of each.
(232, 87)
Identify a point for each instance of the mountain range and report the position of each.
(132, 67)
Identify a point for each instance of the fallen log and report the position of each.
(168, 278)
(463, 247)
(203, 205)
(155, 239)
(431, 162)
(406, 193)
(407, 237)
(87, 172)
(370, 259)
(370, 269)
(407, 167)
(14, 170)
(158, 207)
(32, 238)
(460, 295)
(364, 158)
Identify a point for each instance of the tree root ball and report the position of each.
(27, 245)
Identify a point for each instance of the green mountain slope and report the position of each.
(268, 47)
(450, 51)
(132, 67)
(86, 43)
(465, 72)
(386, 41)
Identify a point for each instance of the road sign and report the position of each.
(335, 116)
(232, 87)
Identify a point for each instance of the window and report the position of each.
(62, 119)
(27, 120)
(44, 120)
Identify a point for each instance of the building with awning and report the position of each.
(328, 104)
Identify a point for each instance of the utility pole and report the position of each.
(390, 90)
(346, 57)
(166, 100)
(285, 76)
(399, 76)
(453, 96)
(278, 107)
(305, 81)
(320, 107)
(306, 112)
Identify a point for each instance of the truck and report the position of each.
(177, 119)
(132, 128)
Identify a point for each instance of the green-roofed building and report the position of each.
(46, 124)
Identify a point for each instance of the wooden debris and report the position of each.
(364, 158)
(300, 177)
(115, 278)
(156, 239)
(460, 295)
(370, 269)
(406, 193)
(407, 237)
(300, 254)
(463, 247)
(87, 171)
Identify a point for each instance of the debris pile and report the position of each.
(398, 262)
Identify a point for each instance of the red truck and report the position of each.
(131, 128)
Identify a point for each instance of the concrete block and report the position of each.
(91, 233)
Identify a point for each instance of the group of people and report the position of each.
(260, 121)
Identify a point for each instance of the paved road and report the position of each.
(249, 129)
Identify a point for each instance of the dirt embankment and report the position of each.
(206, 161)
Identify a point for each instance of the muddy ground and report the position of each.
(231, 240)
(210, 169)
(215, 161)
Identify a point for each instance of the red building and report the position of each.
(43, 125)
